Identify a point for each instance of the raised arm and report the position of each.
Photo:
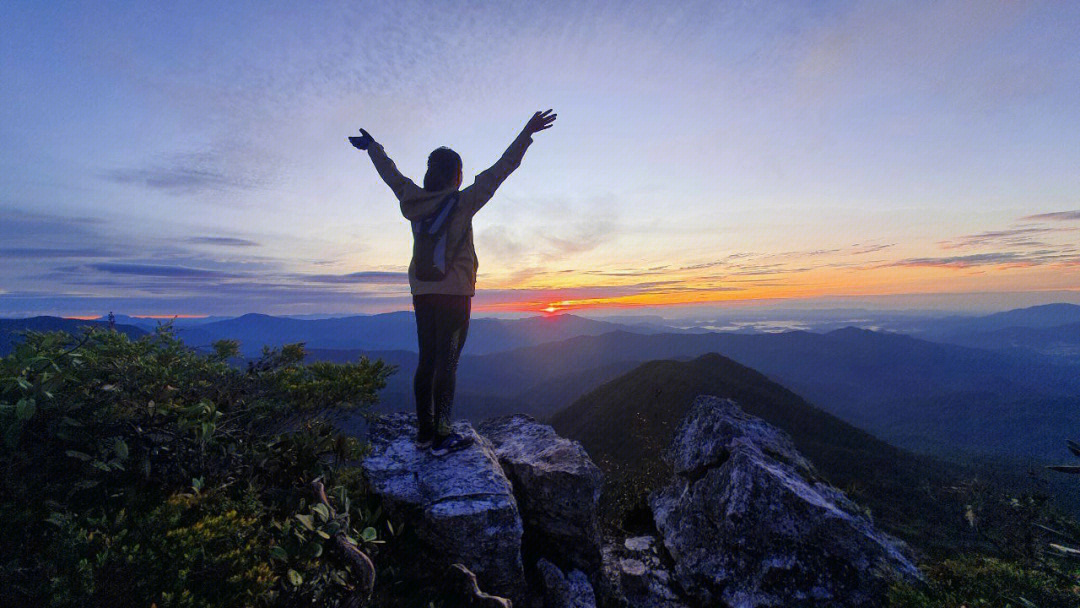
(487, 182)
(402, 186)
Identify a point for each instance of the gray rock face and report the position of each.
(747, 524)
(565, 591)
(463, 504)
(557, 488)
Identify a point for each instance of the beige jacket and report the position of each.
(417, 203)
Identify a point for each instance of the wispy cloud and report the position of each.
(595, 292)
(363, 277)
(224, 241)
(175, 180)
(1055, 216)
(999, 258)
(811, 253)
(57, 252)
(580, 238)
(1013, 237)
(34, 237)
(630, 272)
(20, 224)
(153, 270)
(859, 249)
(185, 174)
(534, 240)
(721, 262)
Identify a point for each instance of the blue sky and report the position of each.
(189, 158)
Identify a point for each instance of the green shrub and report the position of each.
(986, 582)
(139, 473)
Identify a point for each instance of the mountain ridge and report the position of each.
(625, 423)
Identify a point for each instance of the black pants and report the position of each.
(442, 323)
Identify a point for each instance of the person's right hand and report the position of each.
(362, 142)
(539, 122)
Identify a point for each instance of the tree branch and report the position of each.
(358, 560)
(471, 590)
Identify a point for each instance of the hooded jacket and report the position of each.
(417, 203)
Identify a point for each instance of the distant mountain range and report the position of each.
(1047, 315)
(1007, 383)
(391, 331)
(396, 330)
(1052, 330)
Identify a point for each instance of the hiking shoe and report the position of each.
(450, 443)
(423, 441)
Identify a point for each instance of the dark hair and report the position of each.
(442, 167)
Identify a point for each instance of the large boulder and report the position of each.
(463, 505)
(747, 523)
(557, 488)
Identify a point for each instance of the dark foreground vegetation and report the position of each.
(136, 472)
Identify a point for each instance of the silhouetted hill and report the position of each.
(627, 422)
(10, 328)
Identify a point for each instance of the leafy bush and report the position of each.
(139, 473)
(986, 582)
(1014, 566)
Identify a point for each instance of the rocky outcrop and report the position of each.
(746, 522)
(462, 504)
(557, 487)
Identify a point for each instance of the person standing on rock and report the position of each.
(442, 273)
